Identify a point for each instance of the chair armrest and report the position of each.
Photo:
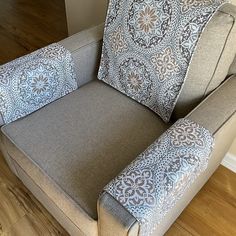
(85, 47)
(61, 67)
(33, 81)
(217, 114)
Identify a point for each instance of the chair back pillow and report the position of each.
(148, 47)
(35, 80)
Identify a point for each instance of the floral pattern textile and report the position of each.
(153, 183)
(160, 35)
(33, 81)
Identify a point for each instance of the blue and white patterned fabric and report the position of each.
(35, 80)
(154, 182)
(148, 47)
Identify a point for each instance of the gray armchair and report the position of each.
(66, 152)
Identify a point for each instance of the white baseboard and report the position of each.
(229, 162)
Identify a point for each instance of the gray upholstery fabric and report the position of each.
(232, 69)
(211, 61)
(85, 48)
(85, 139)
(218, 107)
(114, 219)
(6, 156)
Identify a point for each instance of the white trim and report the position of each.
(229, 162)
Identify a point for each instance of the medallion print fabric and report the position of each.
(148, 46)
(35, 80)
(153, 183)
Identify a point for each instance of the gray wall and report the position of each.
(82, 14)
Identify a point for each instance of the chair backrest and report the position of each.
(212, 62)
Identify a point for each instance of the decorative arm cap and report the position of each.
(152, 184)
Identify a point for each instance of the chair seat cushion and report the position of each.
(82, 141)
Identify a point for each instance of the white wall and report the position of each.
(233, 148)
(230, 158)
(82, 14)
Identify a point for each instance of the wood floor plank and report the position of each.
(18, 207)
(211, 212)
(10, 212)
(10, 206)
(28, 25)
(223, 184)
(25, 226)
(177, 230)
(30, 225)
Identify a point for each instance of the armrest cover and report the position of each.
(152, 184)
(35, 80)
(216, 113)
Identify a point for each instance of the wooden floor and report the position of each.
(26, 25)
(20, 213)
